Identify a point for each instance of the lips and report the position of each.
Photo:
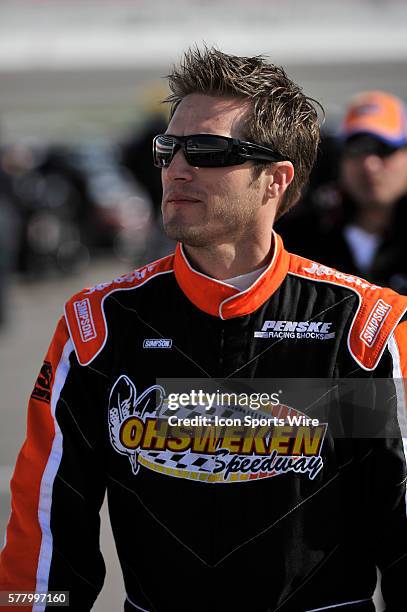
(180, 198)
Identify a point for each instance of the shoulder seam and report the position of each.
(355, 315)
(83, 293)
(323, 280)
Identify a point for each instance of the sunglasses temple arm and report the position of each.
(266, 157)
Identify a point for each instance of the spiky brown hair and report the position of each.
(281, 116)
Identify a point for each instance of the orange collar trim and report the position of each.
(222, 300)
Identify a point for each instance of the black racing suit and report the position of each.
(191, 534)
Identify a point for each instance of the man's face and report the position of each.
(207, 206)
(373, 179)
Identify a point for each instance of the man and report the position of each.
(207, 520)
(360, 220)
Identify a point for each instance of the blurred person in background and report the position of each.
(357, 223)
(135, 150)
(136, 156)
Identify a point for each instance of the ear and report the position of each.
(278, 176)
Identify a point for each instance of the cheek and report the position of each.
(213, 184)
(233, 181)
(397, 170)
(351, 173)
(164, 179)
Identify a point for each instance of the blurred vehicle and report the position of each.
(47, 200)
(74, 202)
(8, 241)
(122, 217)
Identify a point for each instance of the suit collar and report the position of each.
(222, 300)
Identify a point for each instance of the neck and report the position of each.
(227, 260)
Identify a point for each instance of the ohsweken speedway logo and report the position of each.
(139, 429)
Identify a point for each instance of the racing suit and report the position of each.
(191, 537)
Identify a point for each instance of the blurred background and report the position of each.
(80, 90)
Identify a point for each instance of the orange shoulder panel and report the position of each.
(84, 311)
(377, 315)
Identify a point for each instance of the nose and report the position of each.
(372, 163)
(178, 170)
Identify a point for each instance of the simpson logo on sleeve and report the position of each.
(375, 322)
(85, 321)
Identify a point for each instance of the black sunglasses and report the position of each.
(364, 145)
(210, 151)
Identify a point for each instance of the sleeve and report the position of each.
(392, 532)
(57, 489)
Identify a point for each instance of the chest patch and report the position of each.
(296, 330)
(226, 447)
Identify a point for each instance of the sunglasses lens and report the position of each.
(202, 151)
(362, 146)
(163, 151)
(207, 151)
